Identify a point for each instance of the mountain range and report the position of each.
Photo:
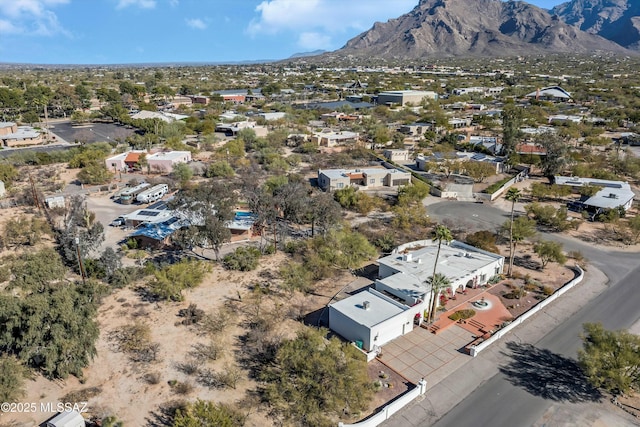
(441, 28)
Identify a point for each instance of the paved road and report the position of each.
(498, 402)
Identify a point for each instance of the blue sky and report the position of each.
(143, 31)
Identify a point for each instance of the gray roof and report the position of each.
(381, 307)
(457, 261)
(610, 198)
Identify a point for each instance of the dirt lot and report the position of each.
(119, 381)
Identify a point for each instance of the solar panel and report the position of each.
(148, 213)
(158, 205)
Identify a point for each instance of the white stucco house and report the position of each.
(612, 194)
(366, 179)
(402, 295)
(370, 319)
(165, 161)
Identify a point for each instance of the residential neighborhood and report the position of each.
(225, 233)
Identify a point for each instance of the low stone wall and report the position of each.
(474, 350)
(393, 407)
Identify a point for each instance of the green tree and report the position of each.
(314, 379)
(207, 207)
(483, 239)
(202, 413)
(513, 195)
(440, 233)
(520, 228)
(12, 378)
(169, 281)
(182, 172)
(221, 169)
(437, 283)
(479, 171)
(94, 174)
(610, 359)
(8, 173)
(242, 259)
(557, 154)
(549, 251)
(512, 116)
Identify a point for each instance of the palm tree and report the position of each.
(438, 282)
(440, 233)
(513, 195)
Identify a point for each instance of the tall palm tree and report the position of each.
(513, 195)
(440, 233)
(438, 282)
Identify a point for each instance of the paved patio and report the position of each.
(434, 353)
(421, 354)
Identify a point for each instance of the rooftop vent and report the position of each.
(613, 196)
(366, 305)
(408, 257)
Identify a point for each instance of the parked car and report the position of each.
(118, 222)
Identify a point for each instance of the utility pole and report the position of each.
(80, 263)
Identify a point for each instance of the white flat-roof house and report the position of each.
(369, 178)
(614, 194)
(404, 273)
(329, 138)
(402, 296)
(370, 318)
(164, 162)
(396, 155)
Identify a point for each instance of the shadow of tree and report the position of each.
(548, 375)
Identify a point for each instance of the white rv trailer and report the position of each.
(153, 194)
(129, 196)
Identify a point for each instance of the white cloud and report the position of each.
(6, 27)
(30, 17)
(142, 4)
(314, 41)
(196, 23)
(324, 16)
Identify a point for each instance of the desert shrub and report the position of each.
(462, 314)
(135, 340)
(152, 378)
(169, 281)
(483, 239)
(227, 378)
(203, 413)
(188, 368)
(215, 322)
(242, 259)
(81, 395)
(547, 290)
(182, 388)
(206, 352)
(295, 276)
(191, 315)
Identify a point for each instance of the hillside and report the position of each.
(440, 28)
(616, 20)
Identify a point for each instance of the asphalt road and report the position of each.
(506, 401)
